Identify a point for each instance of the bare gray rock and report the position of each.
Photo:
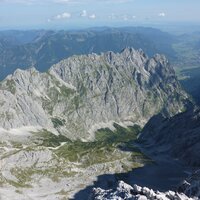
(83, 92)
(127, 192)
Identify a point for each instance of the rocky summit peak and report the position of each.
(131, 52)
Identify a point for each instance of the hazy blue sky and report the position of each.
(84, 13)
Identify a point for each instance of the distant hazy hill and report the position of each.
(22, 49)
(187, 48)
(15, 37)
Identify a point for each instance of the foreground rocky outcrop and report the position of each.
(84, 93)
(187, 191)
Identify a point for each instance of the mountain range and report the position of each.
(22, 49)
(43, 48)
(62, 128)
(82, 93)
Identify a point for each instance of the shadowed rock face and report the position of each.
(83, 93)
(178, 136)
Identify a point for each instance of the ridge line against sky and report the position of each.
(52, 13)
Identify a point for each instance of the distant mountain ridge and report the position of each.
(22, 49)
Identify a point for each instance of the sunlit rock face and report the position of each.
(83, 93)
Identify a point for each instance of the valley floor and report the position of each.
(162, 174)
(41, 165)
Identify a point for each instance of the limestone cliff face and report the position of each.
(82, 93)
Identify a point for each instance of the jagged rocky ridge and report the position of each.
(188, 190)
(83, 93)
